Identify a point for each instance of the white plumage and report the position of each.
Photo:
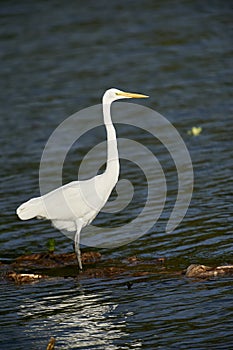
(73, 206)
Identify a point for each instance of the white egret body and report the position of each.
(73, 206)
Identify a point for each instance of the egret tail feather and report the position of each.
(31, 209)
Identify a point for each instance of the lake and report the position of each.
(57, 59)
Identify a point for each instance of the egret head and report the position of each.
(115, 94)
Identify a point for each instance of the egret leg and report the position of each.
(76, 245)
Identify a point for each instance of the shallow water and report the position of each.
(58, 58)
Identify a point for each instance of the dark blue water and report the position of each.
(59, 57)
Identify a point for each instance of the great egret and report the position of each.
(73, 206)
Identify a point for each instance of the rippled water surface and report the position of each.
(59, 57)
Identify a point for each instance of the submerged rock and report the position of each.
(31, 268)
(51, 260)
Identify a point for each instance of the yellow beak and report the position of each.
(131, 95)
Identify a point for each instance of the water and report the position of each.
(57, 58)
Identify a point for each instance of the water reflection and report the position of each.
(75, 317)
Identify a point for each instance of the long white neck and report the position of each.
(113, 165)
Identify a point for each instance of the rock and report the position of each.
(202, 271)
(23, 277)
